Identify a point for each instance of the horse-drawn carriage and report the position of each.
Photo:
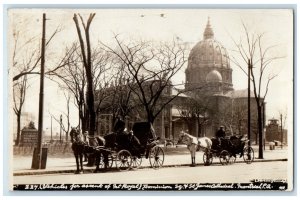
(128, 149)
(228, 149)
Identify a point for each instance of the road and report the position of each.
(235, 173)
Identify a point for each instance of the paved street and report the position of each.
(277, 164)
(235, 173)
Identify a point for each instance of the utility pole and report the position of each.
(37, 156)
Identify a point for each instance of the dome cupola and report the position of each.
(213, 76)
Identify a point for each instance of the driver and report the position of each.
(220, 134)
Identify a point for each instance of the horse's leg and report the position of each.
(81, 164)
(97, 161)
(194, 147)
(192, 151)
(77, 163)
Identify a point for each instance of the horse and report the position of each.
(194, 144)
(78, 146)
(81, 147)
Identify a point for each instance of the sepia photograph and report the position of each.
(150, 99)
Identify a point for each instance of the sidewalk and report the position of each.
(66, 163)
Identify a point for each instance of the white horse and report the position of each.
(194, 144)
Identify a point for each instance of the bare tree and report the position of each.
(65, 126)
(19, 95)
(20, 86)
(259, 59)
(87, 63)
(151, 71)
(195, 109)
(33, 47)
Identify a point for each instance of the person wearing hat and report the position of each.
(220, 134)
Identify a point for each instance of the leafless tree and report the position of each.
(65, 124)
(195, 109)
(151, 70)
(259, 58)
(19, 95)
(20, 86)
(33, 48)
(72, 78)
(86, 55)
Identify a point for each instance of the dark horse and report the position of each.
(80, 147)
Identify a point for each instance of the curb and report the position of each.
(142, 167)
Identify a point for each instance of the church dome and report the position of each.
(208, 62)
(208, 52)
(213, 76)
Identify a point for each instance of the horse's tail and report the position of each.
(208, 143)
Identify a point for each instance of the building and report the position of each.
(208, 87)
(273, 132)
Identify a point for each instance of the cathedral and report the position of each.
(208, 79)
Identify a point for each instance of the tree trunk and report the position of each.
(260, 132)
(18, 129)
(91, 110)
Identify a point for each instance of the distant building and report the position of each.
(273, 132)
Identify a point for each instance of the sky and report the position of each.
(149, 24)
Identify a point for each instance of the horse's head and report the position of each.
(182, 137)
(75, 135)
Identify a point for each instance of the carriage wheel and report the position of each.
(224, 157)
(156, 157)
(136, 162)
(123, 160)
(248, 154)
(207, 158)
(110, 161)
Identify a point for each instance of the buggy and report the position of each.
(228, 150)
(127, 150)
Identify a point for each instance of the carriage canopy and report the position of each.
(144, 131)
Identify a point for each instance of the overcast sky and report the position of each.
(186, 24)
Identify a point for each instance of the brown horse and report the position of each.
(83, 147)
(78, 146)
